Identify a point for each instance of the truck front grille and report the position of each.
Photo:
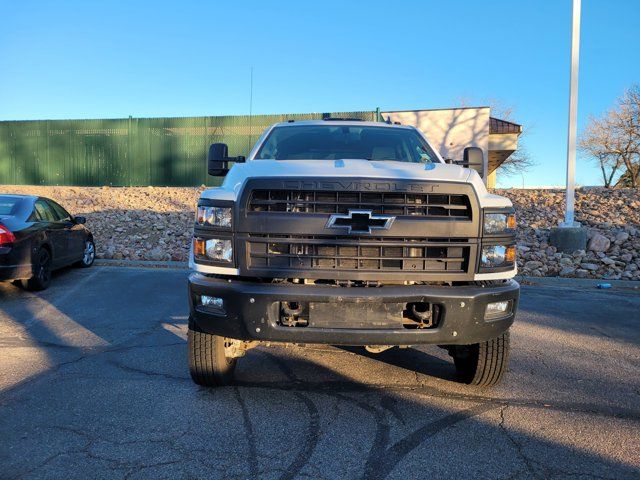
(317, 252)
(431, 205)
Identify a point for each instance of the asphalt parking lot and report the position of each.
(94, 384)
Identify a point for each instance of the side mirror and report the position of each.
(474, 158)
(80, 220)
(218, 159)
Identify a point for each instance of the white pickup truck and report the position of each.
(357, 233)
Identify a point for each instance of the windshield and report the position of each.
(332, 142)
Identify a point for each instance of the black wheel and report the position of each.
(88, 255)
(41, 271)
(482, 364)
(208, 364)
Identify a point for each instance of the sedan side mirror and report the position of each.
(474, 158)
(218, 159)
(80, 220)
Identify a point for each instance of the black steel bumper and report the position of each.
(252, 312)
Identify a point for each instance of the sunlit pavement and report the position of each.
(94, 384)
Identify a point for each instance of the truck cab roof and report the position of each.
(343, 122)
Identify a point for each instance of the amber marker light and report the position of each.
(199, 247)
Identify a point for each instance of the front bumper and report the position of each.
(252, 312)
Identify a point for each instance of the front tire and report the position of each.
(482, 364)
(41, 272)
(208, 364)
(88, 255)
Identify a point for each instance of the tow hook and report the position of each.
(377, 348)
(290, 315)
(292, 309)
(422, 312)
(237, 348)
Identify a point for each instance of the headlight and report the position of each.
(494, 256)
(495, 223)
(216, 249)
(214, 216)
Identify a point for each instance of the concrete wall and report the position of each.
(449, 130)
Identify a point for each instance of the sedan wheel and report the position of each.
(41, 271)
(89, 254)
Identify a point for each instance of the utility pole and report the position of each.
(573, 114)
(570, 236)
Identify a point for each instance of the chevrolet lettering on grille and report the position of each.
(360, 221)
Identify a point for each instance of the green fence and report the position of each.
(133, 151)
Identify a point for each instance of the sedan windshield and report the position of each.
(332, 142)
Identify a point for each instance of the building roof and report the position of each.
(498, 126)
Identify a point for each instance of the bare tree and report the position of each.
(519, 161)
(595, 143)
(626, 129)
(613, 140)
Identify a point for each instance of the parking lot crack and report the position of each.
(310, 442)
(313, 429)
(251, 437)
(141, 468)
(527, 462)
(150, 373)
(382, 461)
(88, 441)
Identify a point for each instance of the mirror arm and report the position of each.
(238, 159)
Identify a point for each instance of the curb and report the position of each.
(577, 282)
(103, 262)
(542, 281)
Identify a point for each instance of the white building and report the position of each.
(451, 130)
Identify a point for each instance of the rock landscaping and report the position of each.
(130, 223)
(612, 220)
(155, 223)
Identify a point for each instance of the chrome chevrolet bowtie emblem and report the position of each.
(360, 221)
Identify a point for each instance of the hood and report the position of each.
(347, 168)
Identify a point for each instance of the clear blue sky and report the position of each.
(84, 59)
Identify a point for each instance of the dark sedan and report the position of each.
(38, 236)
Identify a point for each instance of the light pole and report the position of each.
(569, 236)
(573, 114)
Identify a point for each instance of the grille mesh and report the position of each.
(348, 253)
(432, 205)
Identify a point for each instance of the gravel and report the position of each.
(156, 223)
